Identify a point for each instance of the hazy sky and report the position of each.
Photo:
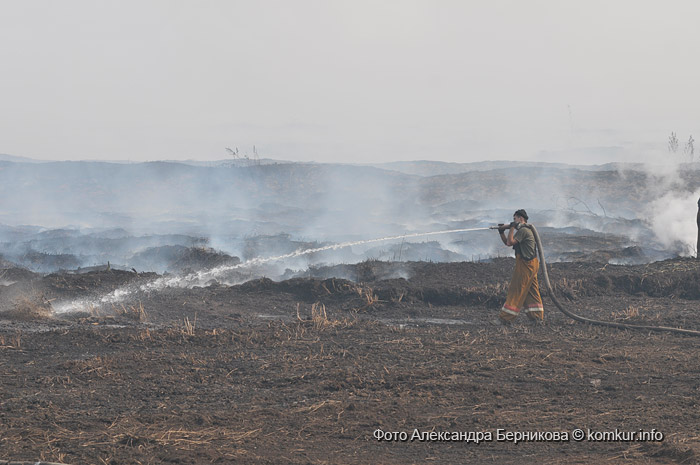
(348, 80)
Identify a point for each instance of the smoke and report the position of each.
(668, 204)
(672, 218)
(140, 215)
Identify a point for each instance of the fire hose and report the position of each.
(573, 316)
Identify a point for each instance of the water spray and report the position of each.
(205, 276)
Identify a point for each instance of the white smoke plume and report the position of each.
(671, 192)
(672, 218)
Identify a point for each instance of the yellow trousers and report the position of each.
(524, 291)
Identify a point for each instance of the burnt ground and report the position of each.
(305, 370)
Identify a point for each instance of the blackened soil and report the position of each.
(306, 370)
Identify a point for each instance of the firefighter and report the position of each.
(524, 291)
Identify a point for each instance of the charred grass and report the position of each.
(315, 389)
(312, 388)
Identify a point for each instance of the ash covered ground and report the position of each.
(185, 349)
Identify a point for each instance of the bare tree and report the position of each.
(672, 143)
(245, 158)
(233, 153)
(689, 149)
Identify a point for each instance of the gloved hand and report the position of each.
(502, 227)
(514, 225)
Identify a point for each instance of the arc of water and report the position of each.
(204, 276)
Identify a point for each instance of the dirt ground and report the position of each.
(311, 370)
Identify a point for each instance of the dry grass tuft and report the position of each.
(319, 318)
(133, 312)
(188, 326)
(629, 313)
(11, 342)
(367, 294)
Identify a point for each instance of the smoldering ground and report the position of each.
(146, 215)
